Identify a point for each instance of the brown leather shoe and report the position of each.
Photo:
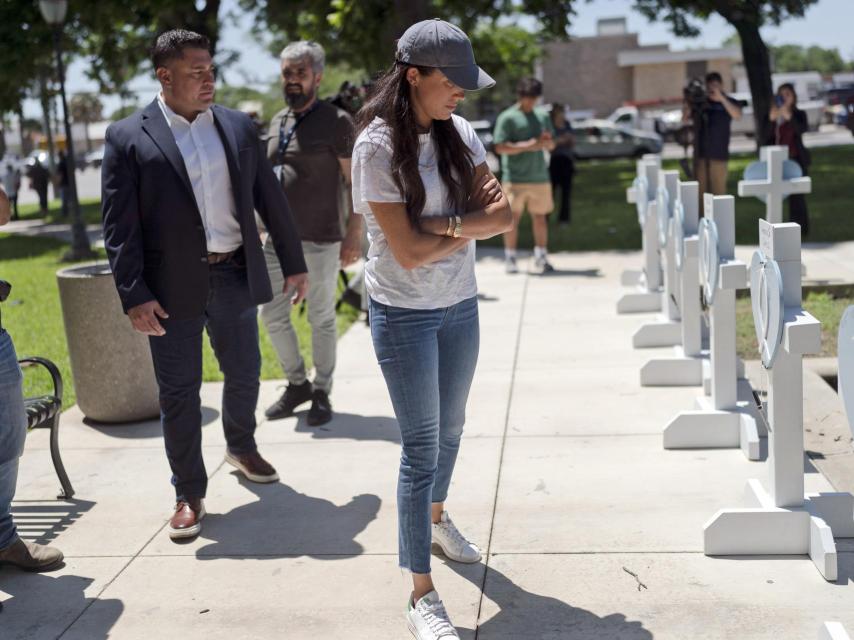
(186, 522)
(30, 556)
(253, 466)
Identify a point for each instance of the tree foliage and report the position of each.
(792, 57)
(363, 32)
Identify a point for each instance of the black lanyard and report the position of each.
(285, 138)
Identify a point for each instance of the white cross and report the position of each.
(774, 187)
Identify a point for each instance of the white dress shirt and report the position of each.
(204, 158)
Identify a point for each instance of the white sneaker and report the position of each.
(542, 265)
(510, 265)
(428, 620)
(453, 543)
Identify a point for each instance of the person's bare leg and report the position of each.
(541, 231)
(511, 237)
(422, 584)
(436, 510)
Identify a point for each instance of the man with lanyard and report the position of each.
(310, 143)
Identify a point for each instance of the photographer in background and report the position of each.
(790, 124)
(13, 430)
(711, 113)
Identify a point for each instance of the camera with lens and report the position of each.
(696, 95)
(5, 290)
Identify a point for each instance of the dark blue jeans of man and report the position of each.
(231, 321)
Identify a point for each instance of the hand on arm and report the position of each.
(487, 214)
(412, 247)
(547, 141)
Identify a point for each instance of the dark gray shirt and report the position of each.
(310, 172)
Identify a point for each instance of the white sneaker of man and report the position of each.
(510, 265)
(453, 543)
(427, 619)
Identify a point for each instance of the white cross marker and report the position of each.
(774, 188)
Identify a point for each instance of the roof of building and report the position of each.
(659, 55)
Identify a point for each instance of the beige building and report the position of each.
(611, 69)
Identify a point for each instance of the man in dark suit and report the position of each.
(181, 180)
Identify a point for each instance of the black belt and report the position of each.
(217, 258)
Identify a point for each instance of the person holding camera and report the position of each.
(790, 123)
(13, 431)
(711, 115)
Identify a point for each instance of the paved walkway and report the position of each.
(561, 477)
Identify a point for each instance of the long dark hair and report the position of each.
(790, 87)
(390, 101)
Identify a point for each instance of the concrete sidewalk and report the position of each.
(561, 477)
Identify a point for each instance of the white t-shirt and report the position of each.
(436, 285)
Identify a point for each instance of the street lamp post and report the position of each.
(53, 12)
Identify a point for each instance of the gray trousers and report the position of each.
(323, 261)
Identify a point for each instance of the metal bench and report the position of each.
(43, 413)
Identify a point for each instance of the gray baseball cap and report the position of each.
(439, 44)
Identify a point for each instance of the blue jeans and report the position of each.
(13, 433)
(428, 360)
(231, 320)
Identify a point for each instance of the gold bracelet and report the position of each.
(458, 226)
(450, 231)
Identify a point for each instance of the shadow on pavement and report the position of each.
(524, 614)
(42, 606)
(353, 427)
(147, 429)
(42, 521)
(283, 522)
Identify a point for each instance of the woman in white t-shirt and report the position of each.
(421, 182)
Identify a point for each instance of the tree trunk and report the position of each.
(757, 62)
(186, 16)
(24, 143)
(48, 127)
(405, 14)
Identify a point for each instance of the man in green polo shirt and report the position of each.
(522, 134)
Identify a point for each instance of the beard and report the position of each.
(297, 100)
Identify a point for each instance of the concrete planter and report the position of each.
(110, 362)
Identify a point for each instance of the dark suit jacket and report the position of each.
(153, 230)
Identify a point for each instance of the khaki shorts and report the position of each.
(535, 196)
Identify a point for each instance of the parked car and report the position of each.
(849, 120)
(601, 139)
(94, 158)
(837, 99)
(483, 129)
(39, 154)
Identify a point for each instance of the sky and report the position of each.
(827, 24)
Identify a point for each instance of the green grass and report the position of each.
(601, 218)
(823, 306)
(90, 208)
(33, 315)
